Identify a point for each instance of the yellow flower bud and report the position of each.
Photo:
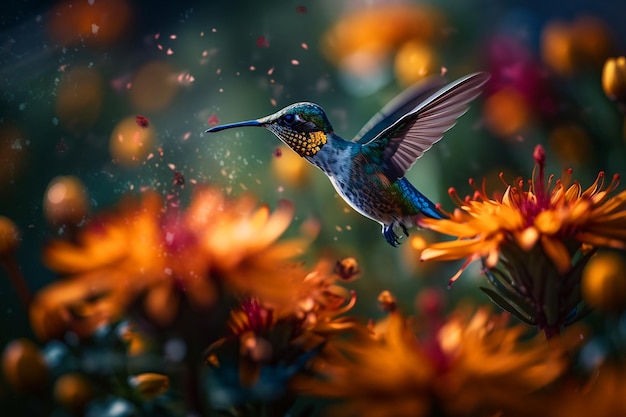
(387, 301)
(150, 385)
(347, 268)
(614, 78)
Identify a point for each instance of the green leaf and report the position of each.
(509, 306)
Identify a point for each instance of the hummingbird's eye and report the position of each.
(289, 118)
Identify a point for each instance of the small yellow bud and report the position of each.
(347, 268)
(387, 301)
(614, 78)
(150, 385)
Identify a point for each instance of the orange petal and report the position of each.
(600, 240)
(556, 250)
(456, 249)
(527, 238)
(449, 227)
(548, 222)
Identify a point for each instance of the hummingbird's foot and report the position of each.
(404, 229)
(392, 238)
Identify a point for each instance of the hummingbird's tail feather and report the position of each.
(422, 204)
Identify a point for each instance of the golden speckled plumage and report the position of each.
(303, 143)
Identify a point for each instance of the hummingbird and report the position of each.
(368, 172)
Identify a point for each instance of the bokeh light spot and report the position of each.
(79, 99)
(100, 22)
(567, 46)
(571, 143)
(414, 60)
(153, 86)
(130, 143)
(290, 168)
(506, 112)
(604, 283)
(65, 201)
(13, 153)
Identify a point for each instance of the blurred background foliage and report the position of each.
(75, 76)
(77, 73)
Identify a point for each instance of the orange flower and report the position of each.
(553, 215)
(315, 303)
(471, 365)
(273, 341)
(240, 239)
(116, 258)
(164, 255)
(493, 366)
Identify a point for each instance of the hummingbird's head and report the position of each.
(301, 126)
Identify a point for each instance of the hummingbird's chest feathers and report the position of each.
(364, 187)
(333, 160)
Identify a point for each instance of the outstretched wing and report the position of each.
(398, 107)
(411, 135)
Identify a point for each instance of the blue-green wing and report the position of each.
(398, 107)
(402, 143)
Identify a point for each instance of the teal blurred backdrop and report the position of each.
(72, 72)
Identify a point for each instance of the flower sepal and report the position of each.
(529, 285)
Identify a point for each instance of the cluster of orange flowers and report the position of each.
(288, 333)
(162, 256)
(466, 364)
(155, 261)
(469, 365)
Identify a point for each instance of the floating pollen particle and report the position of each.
(179, 178)
(262, 42)
(213, 120)
(130, 142)
(142, 121)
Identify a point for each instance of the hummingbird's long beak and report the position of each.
(257, 123)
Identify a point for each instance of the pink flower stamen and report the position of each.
(454, 196)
